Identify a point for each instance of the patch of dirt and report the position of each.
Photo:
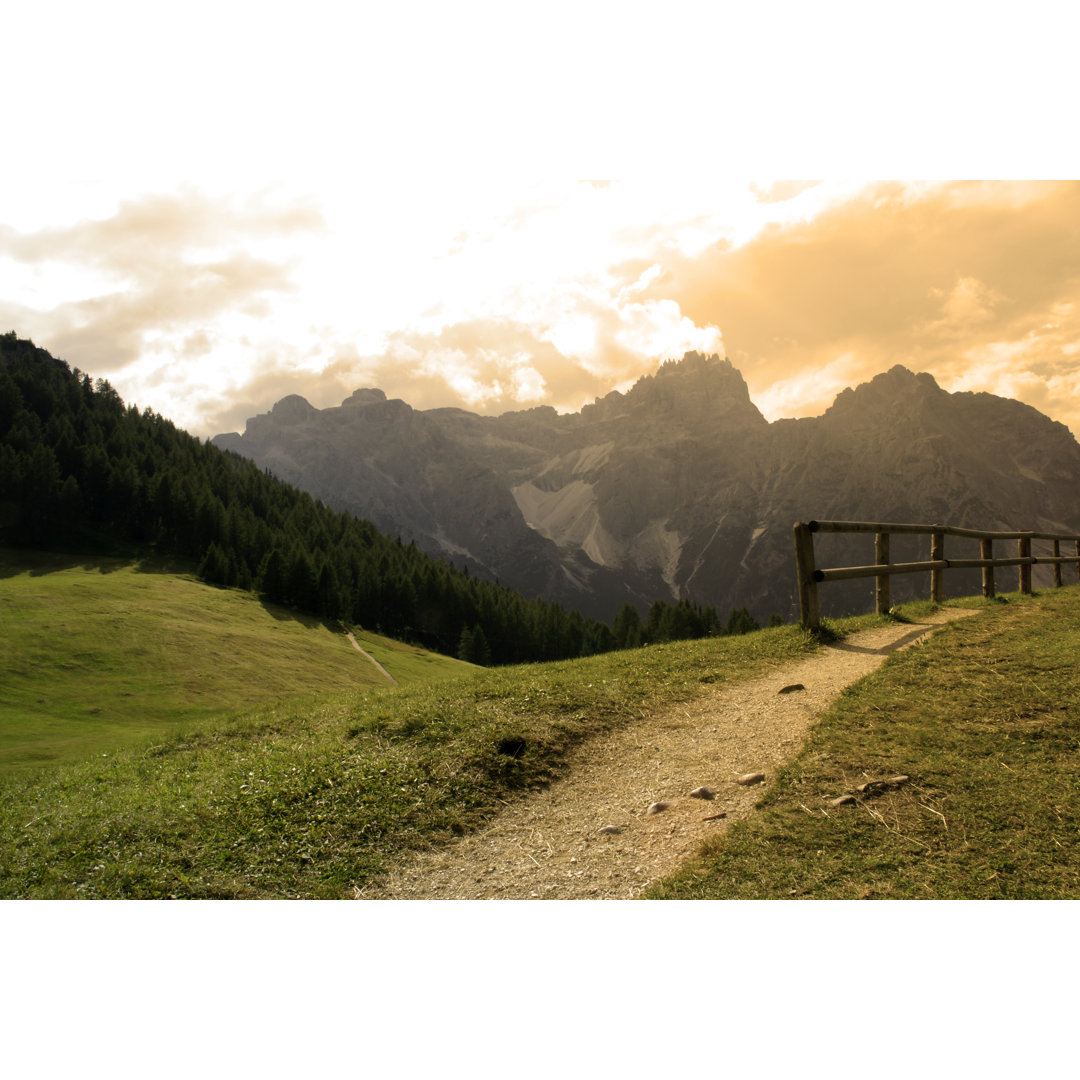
(589, 835)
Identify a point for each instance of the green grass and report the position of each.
(105, 653)
(310, 800)
(985, 719)
(313, 795)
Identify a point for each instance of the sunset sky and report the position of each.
(218, 203)
(215, 212)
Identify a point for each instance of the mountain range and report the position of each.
(678, 487)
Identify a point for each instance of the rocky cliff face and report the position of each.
(679, 487)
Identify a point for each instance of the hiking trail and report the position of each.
(549, 845)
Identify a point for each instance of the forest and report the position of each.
(82, 472)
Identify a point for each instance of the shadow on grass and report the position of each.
(305, 619)
(15, 561)
(38, 563)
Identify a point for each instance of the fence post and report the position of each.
(986, 551)
(881, 557)
(805, 567)
(1023, 549)
(937, 577)
(1057, 565)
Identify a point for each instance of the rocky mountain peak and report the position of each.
(893, 393)
(293, 409)
(697, 391)
(367, 396)
(290, 411)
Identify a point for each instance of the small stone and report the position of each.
(702, 793)
(658, 808)
(751, 778)
(610, 830)
(843, 800)
(790, 689)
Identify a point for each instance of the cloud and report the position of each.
(781, 190)
(969, 301)
(211, 309)
(155, 230)
(161, 265)
(975, 283)
(487, 366)
(812, 390)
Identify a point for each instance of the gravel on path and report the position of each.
(591, 834)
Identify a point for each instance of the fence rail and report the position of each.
(810, 576)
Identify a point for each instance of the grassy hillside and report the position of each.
(985, 720)
(102, 653)
(310, 797)
(307, 799)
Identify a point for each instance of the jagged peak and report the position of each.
(694, 361)
(696, 382)
(690, 362)
(885, 387)
(900, 374)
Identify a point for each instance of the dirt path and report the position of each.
(363, 652)
(550, 845)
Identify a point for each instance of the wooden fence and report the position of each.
(810, 576)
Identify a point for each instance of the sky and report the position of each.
(496, 206)
(214, 206)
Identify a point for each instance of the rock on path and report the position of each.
(590, 836)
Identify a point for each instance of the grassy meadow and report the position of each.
(103, 653)
(310, 798)
(192, 742)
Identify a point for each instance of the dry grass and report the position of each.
(985, 719)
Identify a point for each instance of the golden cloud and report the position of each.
(155, 230)
(166, 264)
(975, 283)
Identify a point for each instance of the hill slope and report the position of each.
(104, 653)
(325, 798)
(310, 799)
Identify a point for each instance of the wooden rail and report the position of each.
(882, 569)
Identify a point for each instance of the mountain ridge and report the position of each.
(676, 488)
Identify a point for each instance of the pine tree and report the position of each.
(740, 621)
(467, 645)
(214, 566)
(626, 628)
(271, 577)
(481, 648)
(301, 584)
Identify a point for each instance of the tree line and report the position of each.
(80, 471)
